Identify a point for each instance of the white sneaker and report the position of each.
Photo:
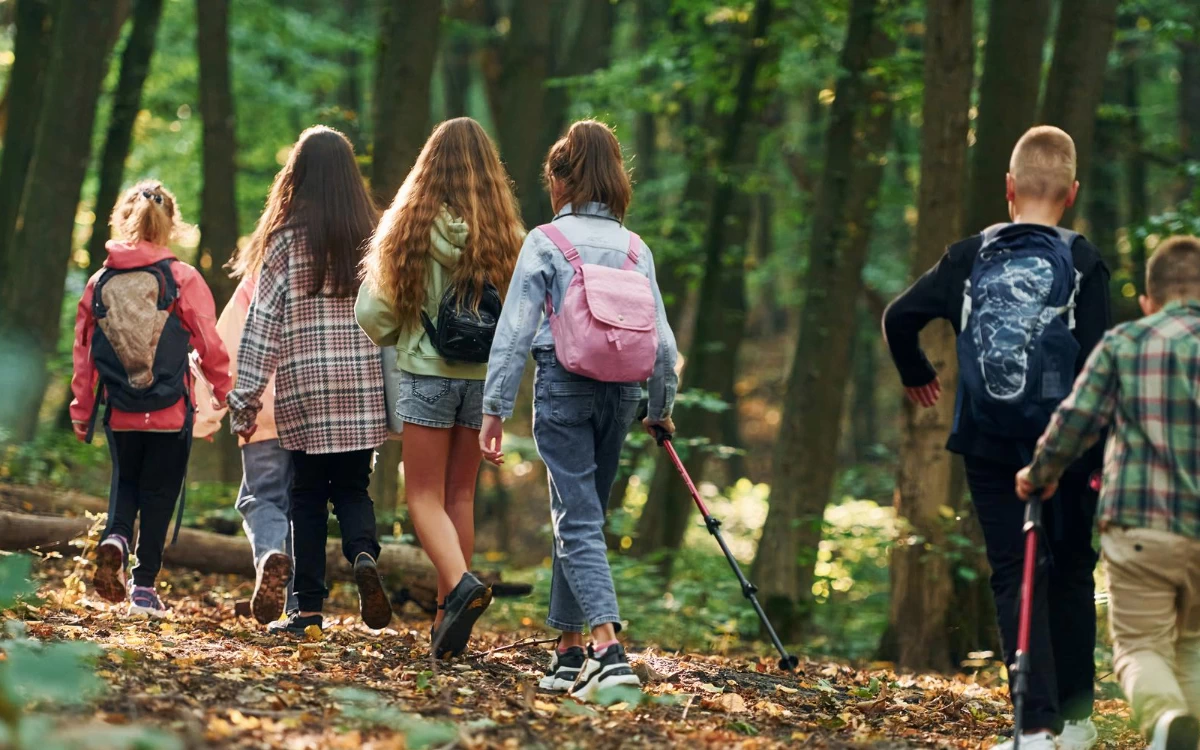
(1078, 735)
(1039, 741)
(1175, 730)
(598, 673)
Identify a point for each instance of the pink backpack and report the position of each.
(606, 329)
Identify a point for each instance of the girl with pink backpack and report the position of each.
(584, 298)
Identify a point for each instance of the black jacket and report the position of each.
(939, 294)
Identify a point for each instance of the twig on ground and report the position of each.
(688, 706)
(519, 644)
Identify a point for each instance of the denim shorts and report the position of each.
(433, 401)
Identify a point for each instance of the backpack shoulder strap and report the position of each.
(563, 244)
(989, 234)
(99, 309)
(633, 255)
(170, 289)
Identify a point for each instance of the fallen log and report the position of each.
(408, 573)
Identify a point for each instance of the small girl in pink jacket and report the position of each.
(137, 320)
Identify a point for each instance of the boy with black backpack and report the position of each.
(1029, 302)
(136, 322)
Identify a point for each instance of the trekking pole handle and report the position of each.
(659, 433)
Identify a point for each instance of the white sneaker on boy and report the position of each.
(1037, 741)
(1079, 735)
(1175, 730)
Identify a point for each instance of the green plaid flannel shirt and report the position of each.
(1143, 379)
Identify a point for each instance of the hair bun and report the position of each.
(153, 196)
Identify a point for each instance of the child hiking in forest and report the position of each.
(592, 350)
(1029, 302)
(329, 385)
(264, 498)
(135, 323)
(1143, 382)
(442, 250)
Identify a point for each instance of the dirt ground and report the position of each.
(218, 680)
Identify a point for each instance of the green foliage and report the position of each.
(365, 708)
(35, 676)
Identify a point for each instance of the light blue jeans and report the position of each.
(265, 502)
(579, 426)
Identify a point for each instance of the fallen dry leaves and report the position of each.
(218, 680)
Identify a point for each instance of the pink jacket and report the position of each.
(195, 309)
(229, 327)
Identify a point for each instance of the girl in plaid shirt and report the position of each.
(329, 386)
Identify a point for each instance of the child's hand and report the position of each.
(248, 432)
(491, 434)
(1026, 488)
(925, 395)
(654, 425)
(80, 431)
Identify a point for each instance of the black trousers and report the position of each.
(318, 480)
(1063, 629)
(152, 467)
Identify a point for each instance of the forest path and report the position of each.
(217, 680)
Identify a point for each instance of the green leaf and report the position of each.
(58, 672)
(743, 728)
(15, 580)
(614, 694)
(870, 691)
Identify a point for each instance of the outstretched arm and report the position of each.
(926, 300)
(258, 354)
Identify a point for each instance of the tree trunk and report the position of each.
(1076, 83)
(1103, 205)
(408, 43)
(645, 138)
(1189, 105)
(405, 567)
(218, 198)
(922, 577)
(516, 71)
(720, 322)
(859, 131)
(458, 56)
(586, 51)
(33, 283)
(127, 101)
(24, 97)
(864, 410)
(1008, 99)
(349, 92)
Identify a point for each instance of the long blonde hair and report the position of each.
(320, 192)
(460, 169)
(147, 212)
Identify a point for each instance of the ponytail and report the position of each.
(146, 213)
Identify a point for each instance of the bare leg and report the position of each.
(426, 450)
(462, 470)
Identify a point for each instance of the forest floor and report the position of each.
(217, 680)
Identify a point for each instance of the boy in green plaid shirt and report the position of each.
(1143, 381)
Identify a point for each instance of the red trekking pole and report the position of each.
(1019, 671)
(787, 662)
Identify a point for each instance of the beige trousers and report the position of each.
(1154, 613)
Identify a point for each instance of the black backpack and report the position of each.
(463, 332)
(140, 350)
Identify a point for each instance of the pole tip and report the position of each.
(789, 663)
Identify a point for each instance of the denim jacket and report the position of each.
(541, 267)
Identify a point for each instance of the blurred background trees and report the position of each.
(796, 165)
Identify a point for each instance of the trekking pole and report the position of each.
(787, 662)
(1019, 671)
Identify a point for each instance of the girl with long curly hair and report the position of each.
(454, 228)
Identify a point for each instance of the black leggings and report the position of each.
(152, 467)
(318, 480)
(1062, 638)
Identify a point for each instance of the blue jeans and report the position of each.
(265, 502)
(579, 426)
